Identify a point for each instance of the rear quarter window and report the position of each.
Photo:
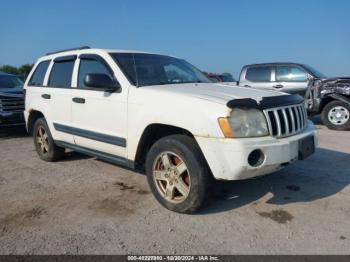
(39, 74)
(259, 74)
(61, 74)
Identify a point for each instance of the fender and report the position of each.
(340, 98)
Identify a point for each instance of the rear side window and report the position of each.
(259, 74)
(61, 74)
(290, 74)
(39, 74)
(91, 66)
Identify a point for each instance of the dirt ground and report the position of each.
(82, 205)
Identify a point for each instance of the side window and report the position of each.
(91, 66)
(259, 74)
(290, 74)
(61, 74)
(39, 74)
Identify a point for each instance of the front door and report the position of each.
(292, 79)
(98, 117)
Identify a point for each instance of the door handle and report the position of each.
(247, 86)
(46, 96)
(79, 100)
(278, 86)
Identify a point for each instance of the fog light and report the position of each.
(256, 158)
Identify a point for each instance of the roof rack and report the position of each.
(70, 49)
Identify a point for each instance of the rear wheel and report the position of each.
(336, 115)
(44, 144)
(177, 173)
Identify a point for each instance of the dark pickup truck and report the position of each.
(11, 100)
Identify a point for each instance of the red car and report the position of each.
(222, 78)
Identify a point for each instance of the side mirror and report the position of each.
(101, 81)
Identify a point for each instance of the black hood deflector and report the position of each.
(266, 102)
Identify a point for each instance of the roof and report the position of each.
(86, 49)
(274, 63)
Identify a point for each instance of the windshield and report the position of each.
(10, 81)
(314, 72)
(148, 69)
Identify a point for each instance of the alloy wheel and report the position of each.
(42, 140)
(171, 177)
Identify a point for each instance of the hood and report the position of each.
(334, 85)
(218, 93)
(12, 92)
(336, 80)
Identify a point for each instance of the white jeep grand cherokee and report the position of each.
(161, 115)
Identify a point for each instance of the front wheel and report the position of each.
(336, 115)
(178, 174)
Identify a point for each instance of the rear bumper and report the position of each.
(11, 119)
(228, 158)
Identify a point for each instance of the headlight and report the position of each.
(244, 123)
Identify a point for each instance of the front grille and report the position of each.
(286, 121)
(11, 104)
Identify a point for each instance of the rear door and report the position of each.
(98, 117)
(259, 77)
(292, 79)
(55, 96)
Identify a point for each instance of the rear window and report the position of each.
(259, 74)
(39, 74)
(61, 74)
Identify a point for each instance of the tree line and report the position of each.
(21, 71)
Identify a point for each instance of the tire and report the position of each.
(44, 144)
(179, 150)
(342, 123)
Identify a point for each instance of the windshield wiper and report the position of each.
(187, 82)
(172, 83)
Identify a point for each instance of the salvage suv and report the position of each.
(160, 115)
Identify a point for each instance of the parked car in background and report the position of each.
(329, 97)
(222, 78)
(11, 100)
(291, 78)
(161, 115)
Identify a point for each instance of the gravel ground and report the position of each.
(85, 206)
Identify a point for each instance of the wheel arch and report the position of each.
(333, 97)
(150, 135)
(342, 98)
(33, 116)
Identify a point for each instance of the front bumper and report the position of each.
(228, 158)
(11, 119)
